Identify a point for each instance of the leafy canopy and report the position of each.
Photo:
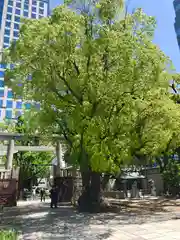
(100, 82)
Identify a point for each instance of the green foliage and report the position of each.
(171, 174)
(8, 235)
(101, 83)
(33, 164)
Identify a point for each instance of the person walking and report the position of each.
(33, 193)
(54, 193)
(42, 194)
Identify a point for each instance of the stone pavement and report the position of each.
(37, 221)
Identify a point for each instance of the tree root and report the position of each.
(87, 204)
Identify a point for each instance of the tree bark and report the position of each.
(91, 199)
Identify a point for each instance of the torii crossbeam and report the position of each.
(11, 148)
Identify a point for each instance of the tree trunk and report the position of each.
(105, 181)
(91, 199)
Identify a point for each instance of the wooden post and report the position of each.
(10, 152)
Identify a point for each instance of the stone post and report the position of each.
(10, 152)
(58, 156)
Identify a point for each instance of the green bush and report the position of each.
(171, 176)
(8, 235)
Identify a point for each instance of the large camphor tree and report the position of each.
(101, 83)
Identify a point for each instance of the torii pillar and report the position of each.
(10, 152)
(58, 156)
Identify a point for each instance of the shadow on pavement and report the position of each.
(39, 221)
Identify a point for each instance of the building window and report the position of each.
(18, 12)
(1, 92)
(8, 16)
(11, 66)
(19, 105)
(18, 5)
(5, 46)
(41, 4)
(7, 32)
(34, 2)
(27, 105)
(8, 24)
(178, 32)
(9, 9)
(3, 66)
(26, 7)
(1, 103)
(29, 77)
(25, 14)
(1, 83)
(10, 3)
(1, 74)
(6, 40)
(34, 9)
(17, 19)
(41, 11)
(33, 15)
(9, 114)
(18, 114)
(9, 104)
(16, 34)
(16, 26)
(9, 95)
(177, 7)
(37, 105)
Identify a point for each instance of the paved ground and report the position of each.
(38, 221)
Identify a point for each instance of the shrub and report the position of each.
(8, 235)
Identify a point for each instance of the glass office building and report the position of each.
(10, 13)
(176, 4)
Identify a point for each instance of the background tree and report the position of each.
(169, 158)
(171, 176)
(33, 165)
(101, 83)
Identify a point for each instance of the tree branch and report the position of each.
(70, 89)
(64, 130)
(173, 88)
(63, 98)
(76, 67)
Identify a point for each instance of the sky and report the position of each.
(165, 36)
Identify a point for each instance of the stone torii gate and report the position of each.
(11, 148)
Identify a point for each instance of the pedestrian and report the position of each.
(54, 193)
(64, 191)
(33, 193)
(42, 194)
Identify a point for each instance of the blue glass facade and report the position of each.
(1, 10)
(176, 4)
(11, 12)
